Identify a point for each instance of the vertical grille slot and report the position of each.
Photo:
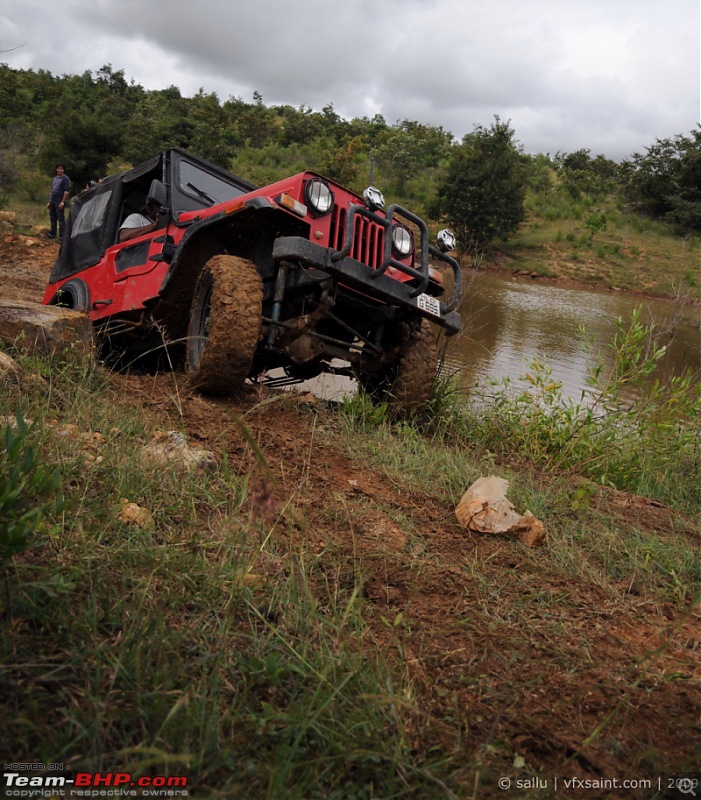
(338, 227)
(368, 237)
(379, 246)
(359, 239)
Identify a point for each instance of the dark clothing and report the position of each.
(60, 185)
(57, 218)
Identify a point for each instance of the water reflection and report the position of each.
(508, 322)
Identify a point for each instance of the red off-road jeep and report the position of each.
(237, 280)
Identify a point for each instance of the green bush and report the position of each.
(628, 430)
(29, 491)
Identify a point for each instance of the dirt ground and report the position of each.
(538, 686)
(25, 263)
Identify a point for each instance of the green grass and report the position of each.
(197, 644)
(632, 253)
(590, 541)
(213, 644)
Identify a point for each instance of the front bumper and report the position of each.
(371, 282)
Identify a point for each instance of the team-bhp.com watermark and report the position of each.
(676, 786)
(21, 780)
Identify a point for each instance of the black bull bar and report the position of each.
(375, 282)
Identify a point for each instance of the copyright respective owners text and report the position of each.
(60, 782)
(673, 786)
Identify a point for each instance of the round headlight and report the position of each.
(318, 197)
(374, 198)
(446, 240)
(402, 242)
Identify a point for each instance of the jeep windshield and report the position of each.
(198, 187)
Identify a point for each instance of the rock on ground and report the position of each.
(34, 326)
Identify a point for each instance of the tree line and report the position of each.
(98, 123)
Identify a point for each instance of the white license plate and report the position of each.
(430, 304)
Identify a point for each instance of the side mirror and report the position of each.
(157, 193)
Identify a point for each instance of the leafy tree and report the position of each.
(209, 137)
(539, 173)
(409, 148)
(253, 125)
(372, 130)
(595, 224)
(582, 174)
(105, 118)
(666, 180)
(86, 144)
(482, 193)
(161, 120)
(341, 163)
(14, 103)
(301, 125)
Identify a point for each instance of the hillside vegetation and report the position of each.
(633, 225)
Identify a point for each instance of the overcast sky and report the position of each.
(609, 75)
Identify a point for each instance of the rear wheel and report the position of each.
(406, 384)
(225, 323)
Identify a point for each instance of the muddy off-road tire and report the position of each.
(224, 326)
(407, 383)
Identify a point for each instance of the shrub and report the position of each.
(628, 430)
(29, 491)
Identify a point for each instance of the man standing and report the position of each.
(57, 201)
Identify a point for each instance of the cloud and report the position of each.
(610, 76)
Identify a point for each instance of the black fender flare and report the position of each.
(73, 294)
(237, 229)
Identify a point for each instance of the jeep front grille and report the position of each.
(368, 238)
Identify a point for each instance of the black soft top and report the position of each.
(97, 213)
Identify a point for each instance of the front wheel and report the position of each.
(225, 324)
(406, 384)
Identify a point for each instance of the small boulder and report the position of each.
(34, 326)
(134, 514)
(172, 449)
(484, 508)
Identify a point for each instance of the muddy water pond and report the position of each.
(508, 322)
